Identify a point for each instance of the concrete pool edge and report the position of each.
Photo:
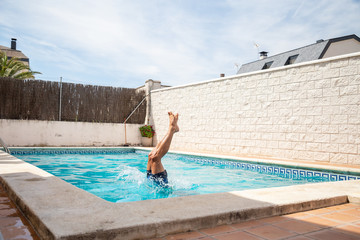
(59, 210)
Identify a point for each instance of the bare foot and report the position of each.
(173, 121)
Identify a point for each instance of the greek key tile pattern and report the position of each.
(286, 172)
(38, 151)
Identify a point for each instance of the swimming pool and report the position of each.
(59, 210)
(118, 175)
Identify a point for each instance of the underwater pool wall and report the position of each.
(308, 111)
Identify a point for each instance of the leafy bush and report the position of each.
(147, 131)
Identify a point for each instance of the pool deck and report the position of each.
(335, 222)
(331, 223)
(59, 210)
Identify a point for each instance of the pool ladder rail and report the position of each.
(7, 150)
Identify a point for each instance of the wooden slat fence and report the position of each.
(39, 100)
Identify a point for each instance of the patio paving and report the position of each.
(336, 222)
(341, 222)
(13, 225)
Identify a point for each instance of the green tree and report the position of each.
(13, 68)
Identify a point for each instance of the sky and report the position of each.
(123, 43)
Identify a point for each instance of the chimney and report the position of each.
(222, 74)
(13, 43)
(263, 55)
(319, 41)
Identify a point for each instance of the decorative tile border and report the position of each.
(69, 151)
(286, 172)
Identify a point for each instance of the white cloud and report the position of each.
(124, 43)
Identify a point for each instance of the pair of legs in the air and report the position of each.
(155, 169)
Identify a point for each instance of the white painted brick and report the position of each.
(273, 81)
(293, 87)
(354, 119)
(285, 128)
(354, 138)
(272, 144)
(353, 99)
(302, 94)
(306, 155)
(306, 103)
(316, 75)
(338, 158)
(348, 129)
(299, 146)
(322, 119)
(322, 138)
(339, 119)
(278, 136)
(279, 88)
(261, 82)
(294, 120)
(348, 148)
(315, 128)
(314, 93)
(349, 90)
(339, 64)
(321, 156)
(331, 110)
(308, 120)
(285, 145)
(266, 136)
(330, 147)
(323, 83)
(354, 61)
(349, 70)
(280, 73)
(322, 66)
(314, 111)
(313, 147)
(354, 80)
(279, 121)
(354, 159)
(292, 71)
(330, 92)
(339, 138)
(299, 128)
(330, 129)
(308, 85)
(331, 73)
(307, 69)
(292, 137)
(306, 137)
(339, 82)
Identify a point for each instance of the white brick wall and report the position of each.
(308, 111)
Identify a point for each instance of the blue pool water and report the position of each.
(120, 176)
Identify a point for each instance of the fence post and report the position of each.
(60, 96)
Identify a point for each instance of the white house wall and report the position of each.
(308, 111)
(54, 133)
